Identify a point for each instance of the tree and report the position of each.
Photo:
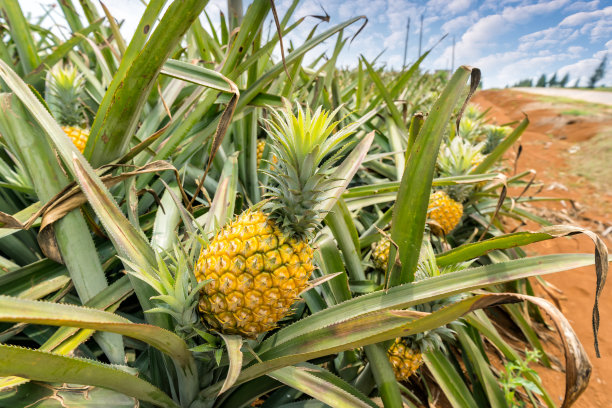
(599, 73)
(524, 83)
(541, 81)
(564, 81)
(553, 80)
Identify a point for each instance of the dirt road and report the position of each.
(557, 145)
(602, 97)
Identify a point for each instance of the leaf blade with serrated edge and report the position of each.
(322, 385)
(43, 366)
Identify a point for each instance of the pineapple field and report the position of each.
(200, 217)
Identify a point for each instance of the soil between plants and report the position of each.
(569, 145)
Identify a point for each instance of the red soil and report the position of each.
(546, 148)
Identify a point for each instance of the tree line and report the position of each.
(554, 81)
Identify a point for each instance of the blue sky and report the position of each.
(508, 40)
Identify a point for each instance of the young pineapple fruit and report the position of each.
(406, 354)
(260, 262)
(457, 158)
(405, 359)
(380, 253)
(64, 95)
(261, 146)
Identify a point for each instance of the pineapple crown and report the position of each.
(473, 112)
(306, 149)
(494, 136)
(64, 94)
(458, 158)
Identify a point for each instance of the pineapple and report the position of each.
(406, 354)
(261, 262)
(405, 359)
(457, 158)
(380, 253)
(261, 146)
(65, 87)
(445, 211)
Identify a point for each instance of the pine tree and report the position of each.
(541, 81)
(564, 81)
(553, 80)
(599, 73)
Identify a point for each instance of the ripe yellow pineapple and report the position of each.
(64, 95)
(404, 359)
(445, 211)
(457, 158)
(260, 262)
(77, 135)
(257, 273)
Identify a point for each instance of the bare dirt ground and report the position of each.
(569, 145)
(581, 94)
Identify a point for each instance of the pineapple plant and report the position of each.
(64, 95)
(260, 262)
(202, 365)
(406, 353)
(456, 158)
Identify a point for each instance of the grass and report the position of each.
(599, 89)
(578, 107)
(577, 112)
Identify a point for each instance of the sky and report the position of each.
(508, 40)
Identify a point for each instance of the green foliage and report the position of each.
(177, 112)
(541, 81)
(514, 377)
(599, 72)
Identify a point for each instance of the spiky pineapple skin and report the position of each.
(380, 253)
(445, 211)
(261, 145)
(257, 274)
(77, 135)
(404, 359)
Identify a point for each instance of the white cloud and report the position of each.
(459, 23)
(449, 6)
(582, 5)
(586, 16)
(523, 13)
(576, 49)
